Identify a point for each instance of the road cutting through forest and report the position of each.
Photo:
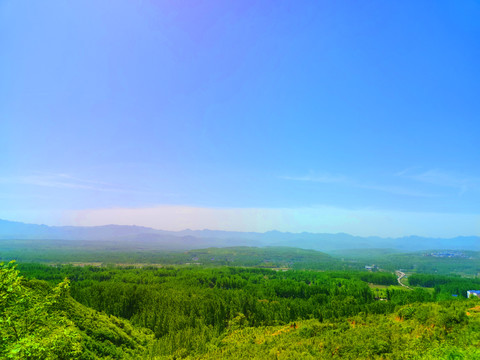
(400, 276)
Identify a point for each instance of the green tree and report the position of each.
(32, 324)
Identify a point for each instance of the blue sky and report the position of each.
(358, 117)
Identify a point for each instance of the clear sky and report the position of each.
(327, 116)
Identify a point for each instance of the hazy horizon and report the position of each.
(95, 222)
(351, 117)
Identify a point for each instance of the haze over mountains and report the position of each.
(129, 236)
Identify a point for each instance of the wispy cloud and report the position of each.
(444, 179)
(61, 181)
(70, 182)
(397, 190)
(343, 180)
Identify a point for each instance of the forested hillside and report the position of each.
(40, 321)
(232, 312)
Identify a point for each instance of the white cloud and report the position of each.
(443, 179)
(343, 180)
(397, 190)
(61, 181)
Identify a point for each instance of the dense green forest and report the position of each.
(430, 262)
(42, 321)
(194, 311)
(466, 263)
(57, 251)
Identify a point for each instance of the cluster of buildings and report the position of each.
(447, 254)
(471, 293)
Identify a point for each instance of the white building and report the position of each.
(471, 293)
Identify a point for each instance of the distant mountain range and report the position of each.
(195, 239)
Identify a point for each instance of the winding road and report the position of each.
(400, 276)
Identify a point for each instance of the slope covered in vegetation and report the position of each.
(39, 321)
(232, 312)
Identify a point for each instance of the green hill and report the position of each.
(198, 312)
(43, 322)
(438, 331)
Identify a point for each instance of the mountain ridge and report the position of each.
(189, 239)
